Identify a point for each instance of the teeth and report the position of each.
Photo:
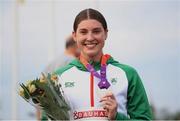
(90, 45)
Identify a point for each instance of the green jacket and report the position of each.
(125, 82)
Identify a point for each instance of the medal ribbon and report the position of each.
(103, 84)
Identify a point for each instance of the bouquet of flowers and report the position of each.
(46, 93)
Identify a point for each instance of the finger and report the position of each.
(111, 100)
(106, 107)
(107, 103)
(110, 94)
(103, 99)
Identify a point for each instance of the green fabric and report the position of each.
(80, 66)
(43, 116)
(120, 116)
(138, 107)
(60, 70)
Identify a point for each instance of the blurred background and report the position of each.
(142, 33)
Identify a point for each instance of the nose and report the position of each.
(90, 36)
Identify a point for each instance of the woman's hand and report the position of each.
(109, 103)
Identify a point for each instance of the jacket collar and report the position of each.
(96, 65)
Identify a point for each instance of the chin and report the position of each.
(91, 54)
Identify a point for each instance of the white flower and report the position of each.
(42, 79)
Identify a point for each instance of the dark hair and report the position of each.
(70, 42)
(89, 14)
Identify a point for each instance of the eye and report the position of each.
(83, 32)
(96, 31)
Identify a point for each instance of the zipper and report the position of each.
(92, 90)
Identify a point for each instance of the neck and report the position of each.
(96, 58)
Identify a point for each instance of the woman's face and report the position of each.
(90, 36)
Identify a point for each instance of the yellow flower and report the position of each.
(54, 77)
(42, 79)
(28, 82)
(21, 92)
(31, 88)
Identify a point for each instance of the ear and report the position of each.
(106, 34)
(74, 36)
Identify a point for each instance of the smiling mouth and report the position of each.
(90, 45)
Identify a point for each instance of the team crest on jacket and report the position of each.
(113, 81)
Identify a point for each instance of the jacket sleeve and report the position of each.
(138, 107)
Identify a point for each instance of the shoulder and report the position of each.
(74, 64)
(63, 69)
(129, 70)
(125, 67)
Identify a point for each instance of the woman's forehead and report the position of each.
(89, 24)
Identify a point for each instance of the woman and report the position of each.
(96, 85)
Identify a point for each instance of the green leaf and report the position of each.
(26, 91)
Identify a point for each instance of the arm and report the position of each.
(137, 106)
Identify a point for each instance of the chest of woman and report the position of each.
(82, 91)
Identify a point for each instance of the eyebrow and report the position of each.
(97, 28)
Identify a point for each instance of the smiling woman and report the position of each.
(90, 37)
(94, 95)
(90, 32)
